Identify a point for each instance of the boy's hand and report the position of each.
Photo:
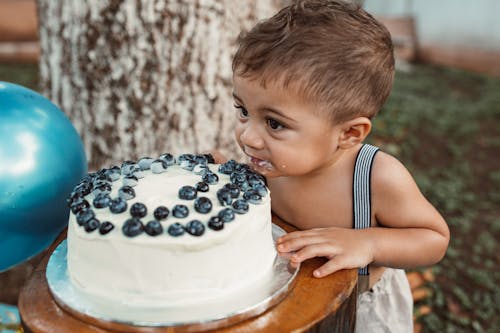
(345, 248)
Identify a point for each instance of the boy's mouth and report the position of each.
(261, 164)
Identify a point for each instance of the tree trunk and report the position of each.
(144, 77)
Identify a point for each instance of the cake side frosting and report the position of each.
(163, 268)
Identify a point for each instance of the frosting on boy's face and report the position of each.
(281, 132)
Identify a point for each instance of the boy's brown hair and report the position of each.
(331, 52)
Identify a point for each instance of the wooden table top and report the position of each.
(306, 306)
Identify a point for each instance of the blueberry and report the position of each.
(215, 223)
(158, 166)
(238, 178)
(187, 193)
(126, 193)
(101, 187)
(139, 173)
(175, 229)
(252, 196)
(138, 210)
(130, 180)
(210, 178)
(255, 179)
(145, 163)
(153, 228)
(101, 176)
(244, 186)
(83, 189)
(161, 213)
(228, 167)
(126, 163)
(233, 189)
(226, 215)
(185, 157)
(113, 173)
(180, 211)
(128, 167)
(200, 159)
(203, 205)
(210, 158)
(88, 178)
(241, 167)
(186, 161)
(202, 187)
(195, 228)
(102, 200)
(118, 205)
(240, 206)
(132, 227)
(224, 197)
(92, 224)
(201, 169)
(74, 196)
(261, 189)
(106, 227)
(187, 165)
(168, 158)
(84, 215)
(79, 204)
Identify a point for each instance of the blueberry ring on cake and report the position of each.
(169, 230)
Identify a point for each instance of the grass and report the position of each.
(23, 74)
(443, 125)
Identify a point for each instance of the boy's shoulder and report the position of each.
(396, 199)
(389, 176)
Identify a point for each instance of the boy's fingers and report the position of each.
(329, 267)
(289, 245)
(314, 250)
(298, 234)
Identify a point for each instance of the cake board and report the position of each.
(313, 305)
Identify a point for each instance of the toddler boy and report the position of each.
(307, 83)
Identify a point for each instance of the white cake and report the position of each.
(152, 265)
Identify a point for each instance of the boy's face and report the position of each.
(281, 133)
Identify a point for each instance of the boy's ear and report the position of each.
(354, 131)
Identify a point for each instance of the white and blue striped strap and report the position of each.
(362, 190)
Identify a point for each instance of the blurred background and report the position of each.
(441, 119)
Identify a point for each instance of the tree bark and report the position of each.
(144, 77)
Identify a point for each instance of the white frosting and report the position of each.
(165, 270)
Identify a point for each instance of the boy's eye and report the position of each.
(242, 111)
(274, 124)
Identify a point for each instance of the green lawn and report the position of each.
(443, 124)
(23, 74)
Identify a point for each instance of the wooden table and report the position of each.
(314, 305)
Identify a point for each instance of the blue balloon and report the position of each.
(41, 159)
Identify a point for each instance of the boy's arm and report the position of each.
(410, 231)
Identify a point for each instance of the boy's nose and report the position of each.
(251, 138)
